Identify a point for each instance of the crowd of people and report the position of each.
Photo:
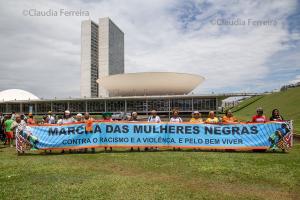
(10, 123)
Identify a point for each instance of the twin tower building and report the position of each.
(102, 54)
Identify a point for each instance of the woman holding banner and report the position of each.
(259, 117)
(196, 117)
(175, 117)
(154, 118)
(276, 116)
(211, 118)
(229, 118)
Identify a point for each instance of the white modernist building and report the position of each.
(102, 67)
(16, 95)
(150, 83)
(102, 54)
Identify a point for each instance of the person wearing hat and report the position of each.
(133, 117)
(51, 118)
(259, 117)
(67, 119)
(30, 120)
(196, 117)
(107, 117)
(79, 117)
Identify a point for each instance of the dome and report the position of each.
(150, 83)
(16, 94)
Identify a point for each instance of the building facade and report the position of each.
(142, 104)
(102, 54)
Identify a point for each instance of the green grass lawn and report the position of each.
(288, 102)
(150, 175)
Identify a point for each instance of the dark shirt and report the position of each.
(276, 118)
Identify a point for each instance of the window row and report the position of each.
(142, 105)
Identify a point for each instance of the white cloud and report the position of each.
(296, 80)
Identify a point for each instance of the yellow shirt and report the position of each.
(194, 120)
(214, 120)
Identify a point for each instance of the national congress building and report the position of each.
(105, 88)
(102, 54)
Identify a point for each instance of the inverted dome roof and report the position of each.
(150, 83)
(16, 94)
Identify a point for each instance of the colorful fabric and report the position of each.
(171, 135)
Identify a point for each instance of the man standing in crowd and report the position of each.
(13, 116)
(88, 125)
(67, 119)
(133, 117)
(8, 130)
(30, 120)
(2, 135)
(1, 117)
(51, 118)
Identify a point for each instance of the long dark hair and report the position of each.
(273, 112)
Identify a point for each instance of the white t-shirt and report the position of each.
(155, 119)
(51, 119)
(176, 120)
(68, 120)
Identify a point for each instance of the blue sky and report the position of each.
(160, 35)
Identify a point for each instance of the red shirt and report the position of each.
(30, 121)
(259, 119)
(107, 120)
